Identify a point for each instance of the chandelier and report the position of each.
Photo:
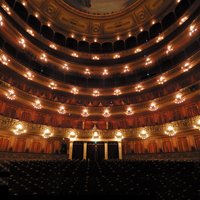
(4, 59)
(52, 85)
(161, 80)
(47, 133)
(37, 104)
(118, 135)
(143, 134)
(170, 131)
(179, 98)
(11, 94)
(95, 93)
(72, 136)
(138, 88)
(29, 75)
(186, 67)
(74, 90)
(153, 107)
(129, 111)
(106, 113)
(85, 112)
(62, 110)
(18, 130)
(197, 125)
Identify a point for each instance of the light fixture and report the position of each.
(22, 42)
(43, 57)
(4, 59)
(148, 61)
(65, 67)
(1, 20)
(36, 15)
(153, 106)
(95, 93)
(53, 46)
(170, 131)
(37, 104)
(85, 112)
(105, 72)
(6, 8)
(19, 129)
(182, 20)
(179, 98)
(74, 90)
(72, 136)
(160, 38)
(139, 88)
(119, 135)
(153, 22)
(143, 134)
(141, 29)
(193, 29)
(138, 50)
(29, 75)
(106, 113)
(30, 32)
(87, 71)
(116, 56)
(186, 67)
(169, 49)
(74, 54)
(118, 37)
(24, 3)
(129, 34)
(72, 35)
(197, 124)
(53, 85)
(95, 39)
(161, 80)
(49, 24)
(95, 58)
(11, 94)
(47, 133)
(117, 92)
(84, 38)
(62, 110)
(129, 111)
(126, 69)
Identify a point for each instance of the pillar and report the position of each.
(70, 149)
(120, 150)
(191, 142)
(105, 150)
(84, 150)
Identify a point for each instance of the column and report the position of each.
(84, 150)
(70, 149)
(120, 150)
(191, 142)
(105, 150)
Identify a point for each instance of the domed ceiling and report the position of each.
(100, 6)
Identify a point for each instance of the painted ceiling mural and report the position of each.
(100, 6)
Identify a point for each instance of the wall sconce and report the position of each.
(47, 133)
(143, 134)
(19, 129)
(170, 131)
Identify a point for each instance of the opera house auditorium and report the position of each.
(100, 97)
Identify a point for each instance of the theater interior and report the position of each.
(100, 97)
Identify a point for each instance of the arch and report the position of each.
(181, 8)
(21, 10)
(131, 42)
(83, 46)
(143, 37)
(71, 43)
(10, 2)
(119, 45)
(59, 39)
(95, 47)
(168, 20)
(155, 30)
(34, 23)
(107, 47)
(47, 32)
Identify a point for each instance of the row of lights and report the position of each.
(170, 131)
(85, 113)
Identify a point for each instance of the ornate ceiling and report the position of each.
(131, 16)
